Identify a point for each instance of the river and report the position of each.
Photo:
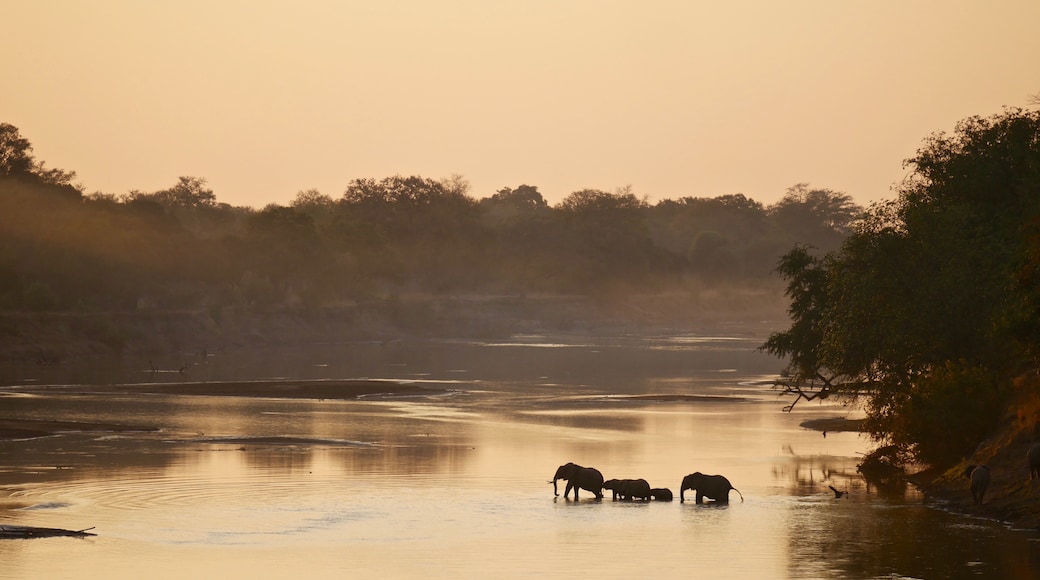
(457, 483)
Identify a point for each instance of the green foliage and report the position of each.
(946, 413)
(924, 308)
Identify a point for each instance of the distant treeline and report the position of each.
(62, 250)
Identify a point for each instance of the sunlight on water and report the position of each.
(459, 486)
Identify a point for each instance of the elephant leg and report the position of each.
(700, 497)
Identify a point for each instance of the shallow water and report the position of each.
(457, 484)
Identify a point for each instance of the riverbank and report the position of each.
(1011, 497)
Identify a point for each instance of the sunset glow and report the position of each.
(675, 98)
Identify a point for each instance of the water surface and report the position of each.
(457, 484)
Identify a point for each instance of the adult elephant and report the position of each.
(1033, 457)
(587, 478)
(980, 477)
(714, 487)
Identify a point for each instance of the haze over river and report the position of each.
(455, 484)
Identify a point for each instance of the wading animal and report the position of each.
(979, 476)
(1033, 457)
(661, 494)
(714, 487)
(587, 478)
(628, 488)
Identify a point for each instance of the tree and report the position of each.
(317, 205)
(509, 203)
(808, 375)
(823, 218)
(609, 240)
(919, 311)
(311, 200)
(720, 238)
(189, 192)
(16, 159)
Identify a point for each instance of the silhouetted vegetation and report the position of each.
(181, 249)
(931, 307)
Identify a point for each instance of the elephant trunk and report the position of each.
(556, 492)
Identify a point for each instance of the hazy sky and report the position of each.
(675, 98)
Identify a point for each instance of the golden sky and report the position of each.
(675, 98)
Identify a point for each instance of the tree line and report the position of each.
(180, 248)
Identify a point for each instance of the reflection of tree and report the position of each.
(849, 539)
(422, 459)
(279, 458)
(811, 475)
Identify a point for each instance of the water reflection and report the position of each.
(458, 486)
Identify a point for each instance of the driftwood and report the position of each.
(27, 532)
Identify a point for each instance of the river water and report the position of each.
(456, 484)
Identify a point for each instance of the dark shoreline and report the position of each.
(1012, 498)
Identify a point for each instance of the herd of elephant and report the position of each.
(717, 487)
(979, 475)
(713, 487)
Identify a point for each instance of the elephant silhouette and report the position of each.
(1033, 458)
(661, 494)
(980, 478)
(713, 487)
(628, 488)
(587, 478)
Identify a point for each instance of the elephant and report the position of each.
(1033, 456)
(714, 487)
(587, 478)
(980, 477)
(628, 488)
(661, 494)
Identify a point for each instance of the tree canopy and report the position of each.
(928, 309)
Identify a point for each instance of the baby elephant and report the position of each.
(661, 494)
(628, 488)
(979, 476)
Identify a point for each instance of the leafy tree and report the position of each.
(509, 204)
(919, 311)
(16, 159)
(189, 192)
(412, 230)
(823, 218)
(608, 238)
